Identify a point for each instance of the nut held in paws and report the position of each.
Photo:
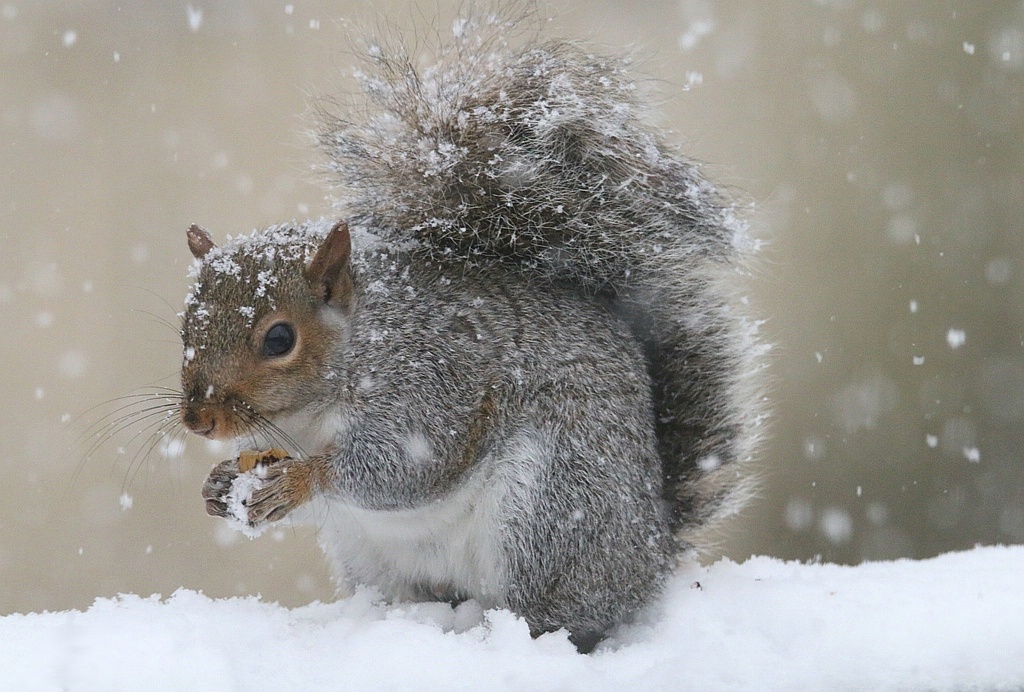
(248, 459)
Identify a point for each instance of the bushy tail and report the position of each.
(537, 156)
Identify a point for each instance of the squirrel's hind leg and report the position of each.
(587, 540)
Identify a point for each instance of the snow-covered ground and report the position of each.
(954, 622)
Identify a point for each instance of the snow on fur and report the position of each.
(500, 147)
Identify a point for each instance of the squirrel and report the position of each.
(512, 371)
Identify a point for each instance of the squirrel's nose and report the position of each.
(200, 422)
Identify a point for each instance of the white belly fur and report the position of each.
(451, 545)
(448, 546)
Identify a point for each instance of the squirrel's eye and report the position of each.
(280, 339)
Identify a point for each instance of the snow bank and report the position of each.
(952, 622)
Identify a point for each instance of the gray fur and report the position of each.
(538, 158)
(537, 396)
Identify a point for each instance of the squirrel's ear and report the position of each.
(199, 242)
(329, 274)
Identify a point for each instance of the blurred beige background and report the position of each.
(880, 142)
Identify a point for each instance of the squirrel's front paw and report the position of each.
(283, 486)
(258, 488)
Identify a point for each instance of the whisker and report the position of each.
(271, 430)
(162, 321)
(174, 310)
(125, 397)
(164, 429)
(100, 424)
(249, 425)
(171, 390)
(254, 423)
(109, 430)
(163, 393)
(173, 374)
(276, 432)
(293, 444)
(151, 413)
(149, 418)
(159, 424)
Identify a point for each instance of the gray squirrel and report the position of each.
(512, 372)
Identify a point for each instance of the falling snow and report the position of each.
(195, 18)
(956, 338)
(836, 524)
(172, 447)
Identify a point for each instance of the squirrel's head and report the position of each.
(260, 324)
